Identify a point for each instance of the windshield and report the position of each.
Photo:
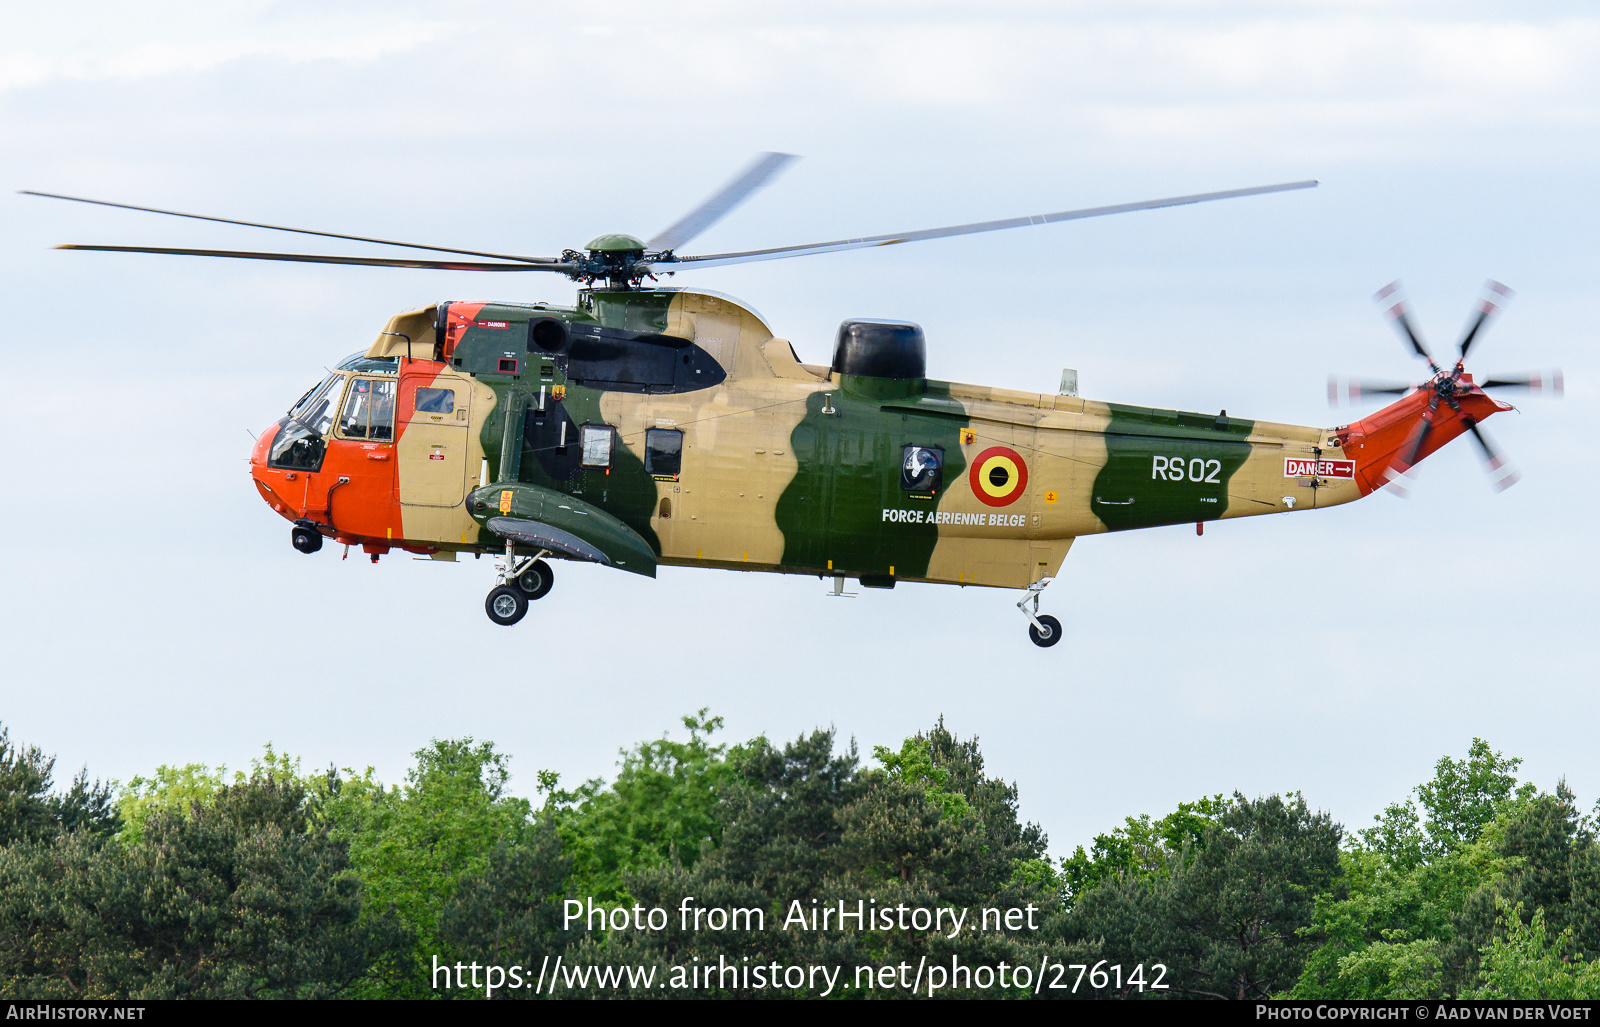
(315, 408)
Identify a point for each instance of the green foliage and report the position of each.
(1231, 918)
(411, 846)
(1523, 962)
(510, 913)
(28, 808)
(662, 807)
(913, 765)
(205, 883)
(1143, 848)
(1551, 865)
(805, 826)
(1391, 970)
(1429, 887)
(240, 898)
(181, 791)
(1465, 796)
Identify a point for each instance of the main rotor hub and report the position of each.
(616, 242)
(615, 257)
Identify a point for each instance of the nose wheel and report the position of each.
(1043, 629)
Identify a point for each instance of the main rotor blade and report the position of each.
(719, 203)
(280, 228)
(1400, 313)
(1538, 381)
(779, 252)
(1504, 474)
(317, 258)
(1494, 297)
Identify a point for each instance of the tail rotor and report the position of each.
(1446, 388)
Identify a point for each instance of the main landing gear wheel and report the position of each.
(506, 604)
(307, 540)
(1047, 637)
(536, 581)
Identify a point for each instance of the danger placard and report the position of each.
(1297, 467)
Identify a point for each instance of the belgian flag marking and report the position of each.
(999, 476)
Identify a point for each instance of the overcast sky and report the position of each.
(154, 612)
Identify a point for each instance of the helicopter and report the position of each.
(648, 425)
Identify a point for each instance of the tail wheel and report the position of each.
(1049, 636)
(506, 605)
(307, 540)
(537, 580)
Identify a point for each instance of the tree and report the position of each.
(28, 807)
(511, 912)
(1465, 795)
(1142, 847)
(806, 827)
(241, 898)
(1523, 962)
(1552, 869)
(663, 804)
(1231, 922)
(412, 846)
(1391, 932)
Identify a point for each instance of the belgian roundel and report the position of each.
(999, 476)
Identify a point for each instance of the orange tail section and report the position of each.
(1376, 442)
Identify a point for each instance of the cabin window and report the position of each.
(368, 410)
(597, 443)
(921, 469)
(663, 453)
(436, 401)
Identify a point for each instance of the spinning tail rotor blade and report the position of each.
(1494, 297)
(1394, 303)
(1353, 390)
(1502, 473)
(779, 252)
(718, 204)
(275, 228)
(1550, 382)
(1406, 458)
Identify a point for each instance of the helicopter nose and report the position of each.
(268, 482)
(258, 453)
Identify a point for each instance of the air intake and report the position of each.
(870, 348)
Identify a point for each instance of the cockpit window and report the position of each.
(368, 410)
(315, 408)
(298, 445)
(295, 447)
(370, 365)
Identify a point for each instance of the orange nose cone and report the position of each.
(258, 455)
(269, 483)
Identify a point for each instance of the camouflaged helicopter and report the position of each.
(648, 425)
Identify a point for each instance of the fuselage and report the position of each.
(680, 415)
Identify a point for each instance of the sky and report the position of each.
(154, 612)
